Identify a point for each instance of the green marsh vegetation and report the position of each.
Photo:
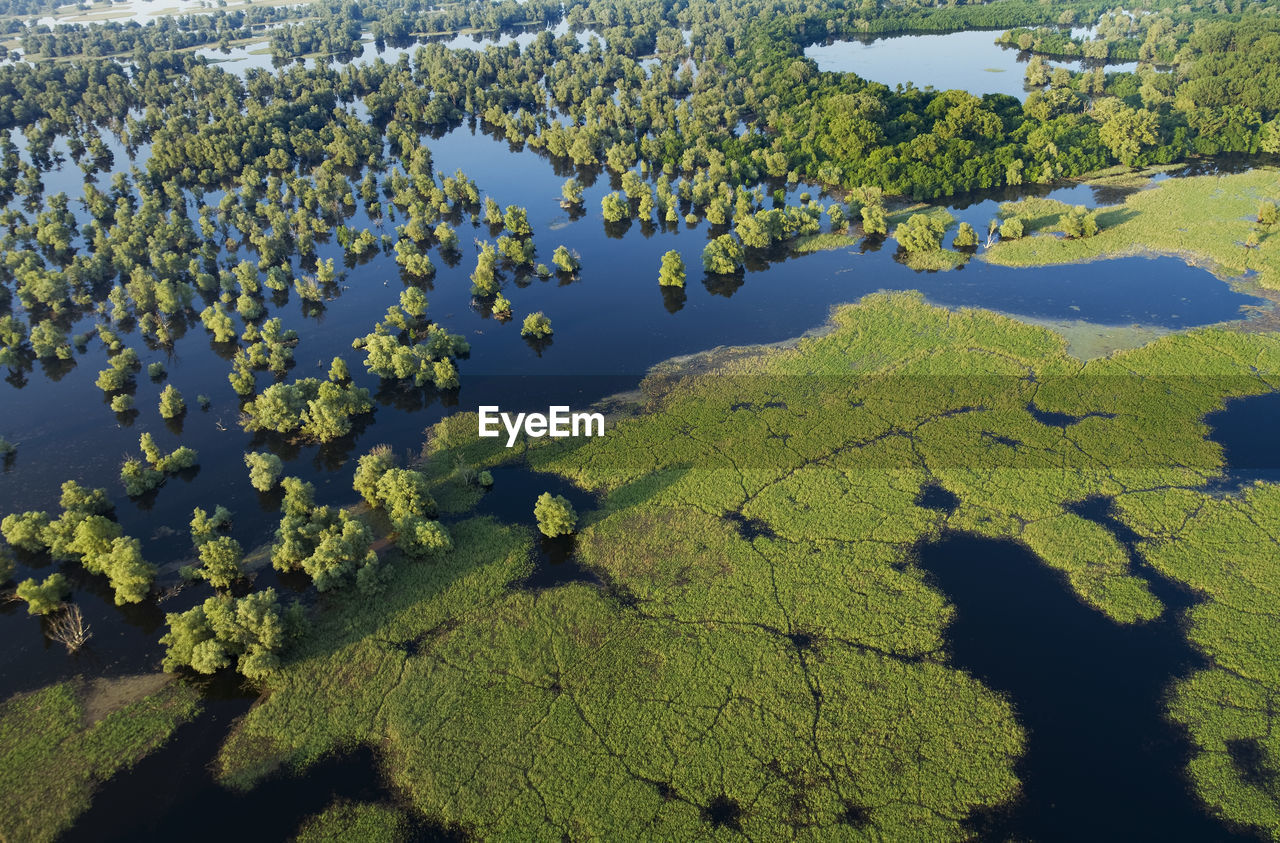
(58, 743)
(718, 678)
(1203, 219)
(342, 821)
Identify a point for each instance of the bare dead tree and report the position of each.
(68, 628)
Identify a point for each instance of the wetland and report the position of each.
(888, 536)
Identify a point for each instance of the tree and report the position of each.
(555, 515)
(420, 537)
(1268, 214)
(250, 632)
(966, 237)
(1011, 229)
(874, 220)
(26, 531)
(571, 192)
(536, 325)
(1124, 130)
(220, 560)
(671, 274)
(614, 207)
(171, 403)
(722, 256)
(44, 597)
(920, 233)
(264, 470)
(516, 220)
(564, 260)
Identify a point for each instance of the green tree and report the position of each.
(536, 325)
(171, 403)
(1125, 130)
(565, 260)
(614, 207)
(571, 192)
(1011, 229)
(220, 562)
(26, 530)
(966, 237)
(722, 256)
(264, 470)
(874, 220)
(44, 597)
(920, 233)
(555, 515)
(671, 274)
(248, 632)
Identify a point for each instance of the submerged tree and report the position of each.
(555, 515)
(671, 273)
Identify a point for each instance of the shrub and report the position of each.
(536, 325)
(920, 233)
(722, 256)
(156, 371)
(250, 632)
(122, 403)
(171, 403)
(44, 597)
(264, 470)
(1011, 229)
(419, 537)
(220, 559)
(966, 237)
(671, 274)
(328, 544)
(555, 515)
(565, 260)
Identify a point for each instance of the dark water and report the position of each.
(1102, 763)
(171, 794)
(1246, 430)
(515, 490)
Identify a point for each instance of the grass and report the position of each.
(763, 654)
(1225, 549)
(1203, 219)
(344, 821)
(57, 744)
(826, 242)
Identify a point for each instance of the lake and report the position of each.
(971, 61)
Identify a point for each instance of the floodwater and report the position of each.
(971, 61)
(1102, 762)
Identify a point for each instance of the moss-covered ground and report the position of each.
(762, 654)
(1206, 220)
(58, 743)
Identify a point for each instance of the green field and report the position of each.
(1205, 220)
